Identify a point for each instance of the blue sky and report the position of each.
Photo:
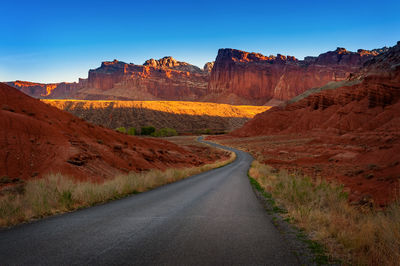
(53, 41)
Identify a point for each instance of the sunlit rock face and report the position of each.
(258, 78)
(163, 79)
(208, 66)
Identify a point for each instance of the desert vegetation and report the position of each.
(147, 130)
(57, 193)
(359, 235)
(130, 131)
(165, 132)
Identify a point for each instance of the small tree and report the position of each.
(131, 131)
(121, 129)
(165, 132)
(147, 130)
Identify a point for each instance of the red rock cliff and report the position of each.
(258, 78)
(61, 90)
(164, 79)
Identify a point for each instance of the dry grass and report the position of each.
(57, 193)
(355, 235)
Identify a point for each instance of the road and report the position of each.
(212, 218)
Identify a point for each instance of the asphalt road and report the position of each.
(212, 218)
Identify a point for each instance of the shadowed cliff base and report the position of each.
(184, 117)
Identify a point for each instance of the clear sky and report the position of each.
(53, 41)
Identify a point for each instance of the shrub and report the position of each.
(147, 130)
(131, 131)
(165, 132)
(121, 129)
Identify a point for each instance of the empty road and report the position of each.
(212, 218)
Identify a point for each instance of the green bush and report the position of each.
(165, 132)
(147, 130)
(131, 131)
(121, 129)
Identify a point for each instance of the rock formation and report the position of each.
(61, 90)
(257, 78)
(208, 66)
(164, 79)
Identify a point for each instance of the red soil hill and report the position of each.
(36, 139)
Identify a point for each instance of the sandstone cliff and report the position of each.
(61, 90)
(239, 75)
(165, 79)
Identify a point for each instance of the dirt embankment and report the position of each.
(36, 139)
(182, 116)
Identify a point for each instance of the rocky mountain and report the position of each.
(252, 77)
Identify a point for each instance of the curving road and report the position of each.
(212, 218)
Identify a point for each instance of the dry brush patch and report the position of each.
(57, 193)
(355, 234)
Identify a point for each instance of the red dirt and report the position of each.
(36, 139)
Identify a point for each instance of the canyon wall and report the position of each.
(253, 77)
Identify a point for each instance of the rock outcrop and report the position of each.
(258, 78)
(164, 79)
(61, 90)
(208, 66)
